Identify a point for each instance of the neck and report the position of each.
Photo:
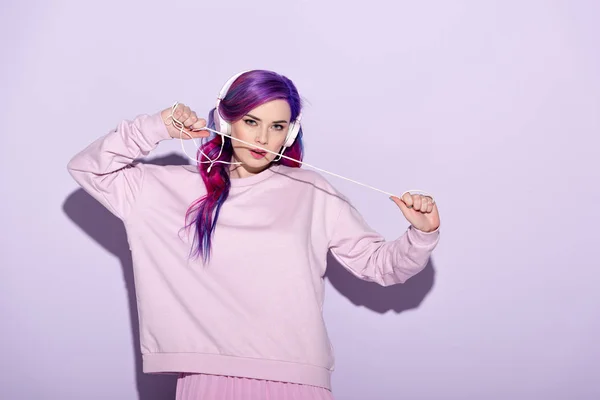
(243, 170)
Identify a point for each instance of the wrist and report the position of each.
(426, 230)
(420, 237)
(156, 128)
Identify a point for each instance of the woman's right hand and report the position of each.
(188, 118)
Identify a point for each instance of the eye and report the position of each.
(250, 122)
(278, 127)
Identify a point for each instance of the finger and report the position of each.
(201, 134)
(183, 134)
(401, 204)
(427, 203)
(178, 111)
(430, 207)
(191, 120)
(197, 130)
(417, 202)
(199, 124)
(422, 204)
(182, 115)
(408, 200)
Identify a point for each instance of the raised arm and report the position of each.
(367, 254)
(106, 169)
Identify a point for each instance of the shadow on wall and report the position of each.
(109, 232)
(381, 299)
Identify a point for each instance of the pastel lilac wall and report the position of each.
(492, 106)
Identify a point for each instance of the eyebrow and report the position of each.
(275, 122)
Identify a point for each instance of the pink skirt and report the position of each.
(209, 387)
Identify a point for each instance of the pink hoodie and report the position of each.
(256, 310)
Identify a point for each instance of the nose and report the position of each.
(262, 136)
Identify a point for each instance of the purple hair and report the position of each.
(247, 92)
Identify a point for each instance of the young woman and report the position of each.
(229, 256)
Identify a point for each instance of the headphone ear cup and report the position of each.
(291, 136)
(293, 130)
(221, 125)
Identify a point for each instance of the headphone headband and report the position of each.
(225, 127)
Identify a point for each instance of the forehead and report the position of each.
(274, 110)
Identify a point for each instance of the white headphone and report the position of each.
(225, 127)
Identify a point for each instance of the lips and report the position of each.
(256, 153)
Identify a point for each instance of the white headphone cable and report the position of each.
(181, 132)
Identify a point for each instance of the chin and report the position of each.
(251, 163)
(255, 163)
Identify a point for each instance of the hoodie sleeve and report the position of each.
(106, 170)
(367, 255)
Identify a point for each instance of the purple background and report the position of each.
(494, 107)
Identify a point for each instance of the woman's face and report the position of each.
(266, 127)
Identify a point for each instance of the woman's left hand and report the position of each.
(419, 210)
